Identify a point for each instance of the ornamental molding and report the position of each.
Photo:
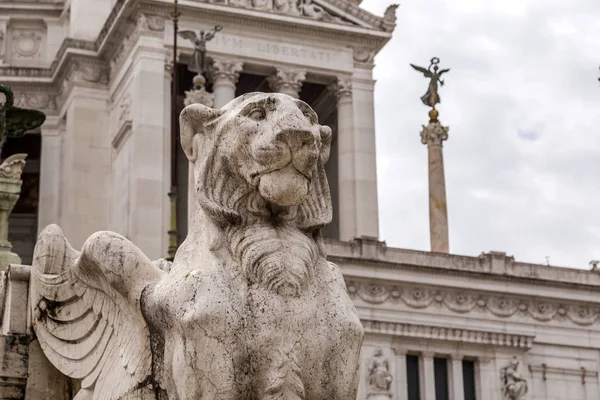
(465, 301)
(489, 338)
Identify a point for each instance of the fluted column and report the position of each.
(288, 81)
(224, 75)
(346, 160)
(433, 135)
(428, 384)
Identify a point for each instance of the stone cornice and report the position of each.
(491, 265)
(464, 301)
(486, 338)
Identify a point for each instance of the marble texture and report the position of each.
(433, 135)
(250, 307)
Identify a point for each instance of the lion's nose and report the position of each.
(297, 139)
(304, 146)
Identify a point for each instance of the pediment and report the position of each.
(334, 11)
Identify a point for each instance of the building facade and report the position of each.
(438, 326)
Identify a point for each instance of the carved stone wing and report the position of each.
(86, 313)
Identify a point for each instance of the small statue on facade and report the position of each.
(380, 378)
(198, 63)
(431, 98)
(514, 386)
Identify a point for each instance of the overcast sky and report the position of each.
(523, 105)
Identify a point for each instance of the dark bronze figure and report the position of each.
(431, 98)
(198, 64)
(15, 121)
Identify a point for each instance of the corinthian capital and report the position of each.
(342, 89)
(227, 70)
(434, 133)
(287, 80)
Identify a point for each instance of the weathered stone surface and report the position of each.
(250, 308)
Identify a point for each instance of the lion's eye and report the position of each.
(311, 117)
(257, 114)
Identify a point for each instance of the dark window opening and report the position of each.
(440, 367)
(412, 378)
(468, 367)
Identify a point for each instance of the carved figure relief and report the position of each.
(514, 386)
(249, 297)
(379, 377)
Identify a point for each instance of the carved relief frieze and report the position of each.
(82, 72)
(465, 301)
(45, 102)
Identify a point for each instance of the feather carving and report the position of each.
(86, 312)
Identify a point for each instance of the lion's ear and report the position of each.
(195, 123)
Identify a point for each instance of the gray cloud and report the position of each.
(523, 105)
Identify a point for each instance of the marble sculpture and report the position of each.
(249, 309)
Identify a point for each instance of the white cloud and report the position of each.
(523, 105)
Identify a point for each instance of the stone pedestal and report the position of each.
(10, 189)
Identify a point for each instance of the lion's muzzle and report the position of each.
(290, 157)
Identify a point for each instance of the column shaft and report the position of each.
(433, 135)
(49, 203)
(428, 383)
(346, 163)
(400, 378)
(458, 391)
(367, 215)
(438, 213)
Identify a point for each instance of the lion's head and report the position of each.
(259, 169)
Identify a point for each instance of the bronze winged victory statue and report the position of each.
(432, 97)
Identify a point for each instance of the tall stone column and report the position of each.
(433, 135)
(346, 161)
(49, 203)
(456, 374)
(367, 214)
(400, 378)
(428, 384)
(288, 81)
(224, 75)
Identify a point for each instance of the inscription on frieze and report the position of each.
(248, 48)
